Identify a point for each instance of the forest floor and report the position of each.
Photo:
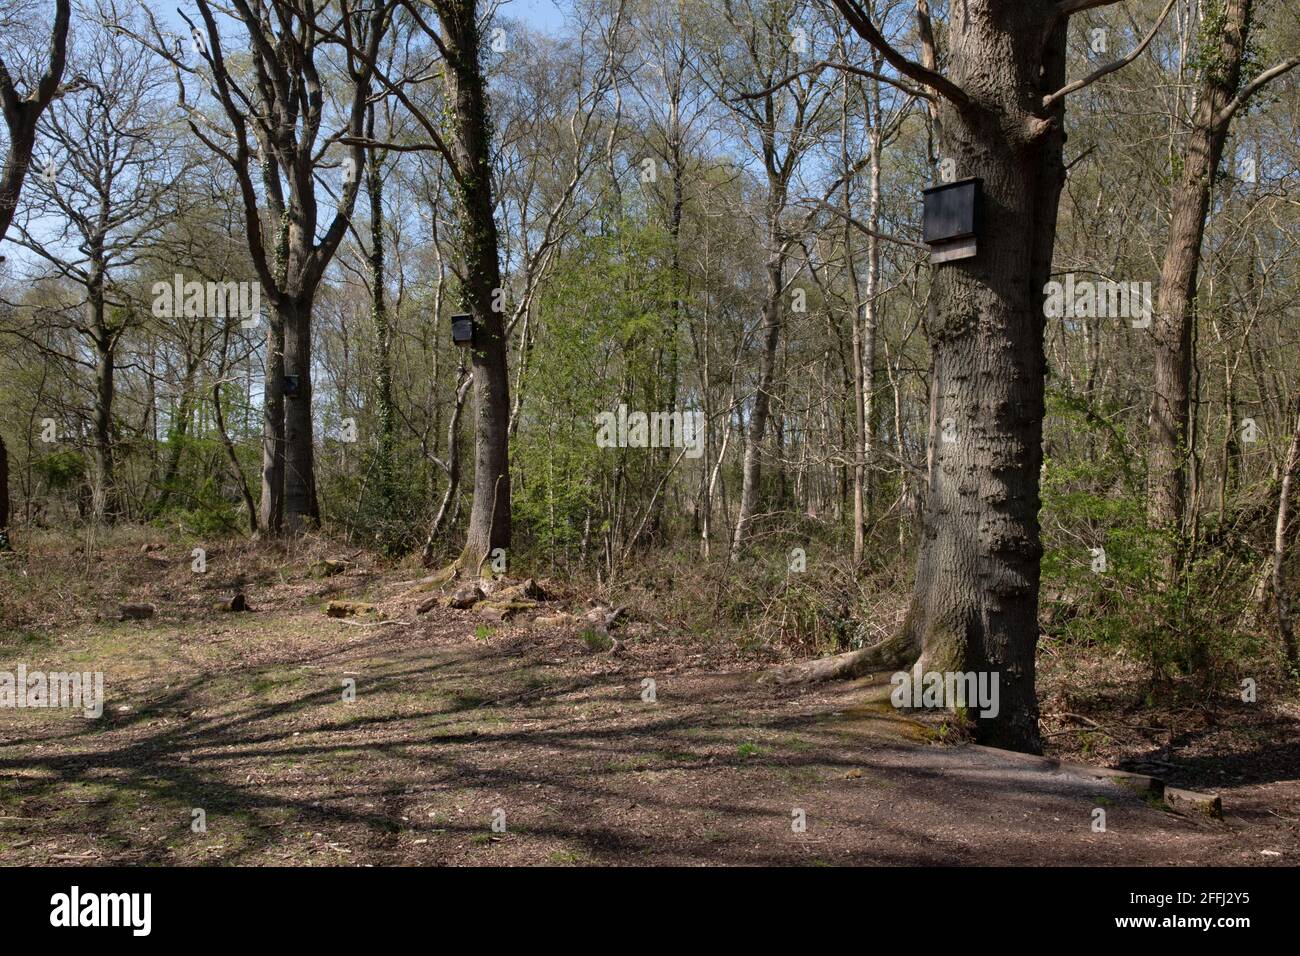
(457, 722)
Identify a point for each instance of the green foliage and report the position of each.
(1188, 629)
(596, 641)
(394, 523)
(607, 335)
(61, 470)
(209, 513)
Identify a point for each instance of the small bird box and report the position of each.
(290, 386)
(462, 329)
(951, 220)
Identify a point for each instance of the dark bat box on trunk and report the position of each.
(462, 329)
(951, 222)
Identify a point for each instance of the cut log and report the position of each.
(502, 611)
(528, 590)
(466, 596)
(231, 604)
(348, 608)
(328, 567)
(1194, 802)
(136, 612)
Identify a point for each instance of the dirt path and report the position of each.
(242, 716)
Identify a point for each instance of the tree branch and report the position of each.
(1097, 74)
(861, 23)
(1253, 87)
(847, 68)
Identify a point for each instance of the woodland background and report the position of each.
(641, 201)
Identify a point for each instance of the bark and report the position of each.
(271, 507)
(4, 497)
(470, 144)
(752, 469)
(975, 599)
(1168, 420)
(1285, 629)
(859, 339)
(21, 114)
(300, 506)
(383, 383)
(104, 496)
(452, 467)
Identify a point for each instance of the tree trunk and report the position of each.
(22, 112)
(453, 471)
(23, 141)
(1168, 445)
(271, 509)
(489, 520)
(4, 497)
(752, 473)
(870, 314)
(104, 502)
(975, 598)
(860, 334)
(383, 337)
(1282, 599)
(300, 507)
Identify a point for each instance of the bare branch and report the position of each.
(862, 25)
(1253, 87)
(1097, 74)
(846, 68)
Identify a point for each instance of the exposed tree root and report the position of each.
(897, 652)
(437, 579)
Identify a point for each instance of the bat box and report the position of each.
(462, 329)
(951, 221)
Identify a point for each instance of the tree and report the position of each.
(285, 111)
(780, 124)
(1001, 113)
(21, 115)
(111, 181)
(1224, 40)
(466, 147)
(470, 144)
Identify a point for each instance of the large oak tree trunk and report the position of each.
(975, 598)
(489, 520)
(975, 604)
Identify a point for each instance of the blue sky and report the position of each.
(538, 14)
